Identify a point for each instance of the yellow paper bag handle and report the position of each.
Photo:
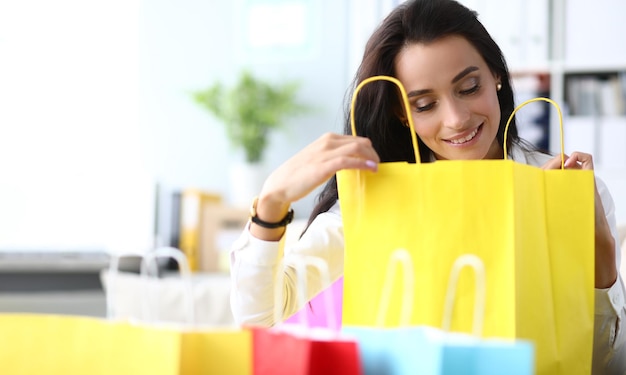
(149, 267)
(405, 101)
(403, 257)
(473, 261)
(506, 128)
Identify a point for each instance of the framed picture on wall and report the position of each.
(277, 30)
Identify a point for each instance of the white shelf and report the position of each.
(573, 68)
(83, 303)
(593, 34)
(62, 262)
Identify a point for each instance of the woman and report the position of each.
(460, 95)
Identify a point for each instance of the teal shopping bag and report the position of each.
(427, 350)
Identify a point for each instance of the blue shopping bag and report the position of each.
(427, 350)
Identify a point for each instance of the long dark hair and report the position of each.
(376, 111)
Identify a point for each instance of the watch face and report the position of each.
(253, 207)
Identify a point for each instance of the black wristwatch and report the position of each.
(255, 219)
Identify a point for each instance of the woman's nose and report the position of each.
(456, 114)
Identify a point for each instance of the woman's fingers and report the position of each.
(350, 153)
(577, 160)
(334, 146)
(318, 162)
(305, 171)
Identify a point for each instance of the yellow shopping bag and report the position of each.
(216, 351)
(56, 344)
(147, 344)
(540, 274)
(203, 349)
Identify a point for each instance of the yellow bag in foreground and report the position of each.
(72, 345)
(51, 344)
(533, 229)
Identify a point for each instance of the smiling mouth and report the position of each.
(467, 138)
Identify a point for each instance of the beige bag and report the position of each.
(148, 298)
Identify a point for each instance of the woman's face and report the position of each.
(453, 98)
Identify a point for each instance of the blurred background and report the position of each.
(101, 141)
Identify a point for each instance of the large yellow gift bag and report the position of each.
(33, 344)
(517, 218)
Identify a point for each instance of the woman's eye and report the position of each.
(424, 106)
(471, 90)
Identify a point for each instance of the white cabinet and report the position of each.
(521, 29)
(594, 33)
(589, 79)
(611, 141)
(537, 34)
(589, 69)
(602, 136)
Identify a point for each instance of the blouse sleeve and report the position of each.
(255, 265)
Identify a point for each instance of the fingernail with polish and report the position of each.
(371, 164)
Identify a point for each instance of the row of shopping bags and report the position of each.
(34, 344)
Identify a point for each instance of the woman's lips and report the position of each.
(466, 139)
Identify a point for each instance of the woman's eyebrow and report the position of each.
(465, 72)
(418, 92)
(456, 78)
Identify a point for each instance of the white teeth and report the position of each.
(465, 139)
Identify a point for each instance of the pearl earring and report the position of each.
(498, 86)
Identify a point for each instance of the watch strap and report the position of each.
(262, 223)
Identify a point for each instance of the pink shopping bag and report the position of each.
(315, 311)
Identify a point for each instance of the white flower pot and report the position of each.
(246, 181)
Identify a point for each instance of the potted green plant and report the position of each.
(250, 110)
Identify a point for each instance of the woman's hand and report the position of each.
(605, 266)
(305, 171)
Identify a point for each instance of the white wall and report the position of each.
(71, 162)
(187, 45)
(97, 110)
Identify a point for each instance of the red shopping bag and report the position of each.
(297, 349)
(281, 351)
